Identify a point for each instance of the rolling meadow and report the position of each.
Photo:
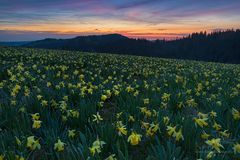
(75, 106)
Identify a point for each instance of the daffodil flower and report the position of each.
(236, 148)
(236, 114)
(171, 130)
(166, 120)
(178, 135)
(36, 124)
(2, 157)
(103, 98)
(19, 157)
(121, 128)
(202, 122)
(215, 143)
(97, 117)
(152, 129)
(96, 147)
(35, 116)
(71, 133)
(210, 155)
(166, 97)
(216, 126)
(111, 157)
(33, 144)
(204, 135)
(59, 146)
(146, 101)
(18, 141)
(134, 138)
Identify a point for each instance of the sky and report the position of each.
(27, 20)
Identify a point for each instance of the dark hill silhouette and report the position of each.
(14, 43)
(222, 46)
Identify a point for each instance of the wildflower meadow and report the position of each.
(85, 106)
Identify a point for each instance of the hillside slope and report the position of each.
(152, 108)
(218, 47)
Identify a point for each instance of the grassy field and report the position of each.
(72, 105)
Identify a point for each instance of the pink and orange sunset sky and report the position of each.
(28, 20)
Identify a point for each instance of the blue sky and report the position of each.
(38, 19)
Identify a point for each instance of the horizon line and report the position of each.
(143, 37)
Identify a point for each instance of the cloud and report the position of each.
(104, 15)
(134, 4)
(15, 35)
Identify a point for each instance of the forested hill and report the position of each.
(223, 46)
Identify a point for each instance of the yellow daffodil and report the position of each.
(18, 142)
(36, 124)
(131, 119)
(204, 135)
(136, 93)
(129, 89)
(35, 116)
(154, 113)
(121, 129)
(166, 120)
(146, 101)
(219, 103)
(100, 104)
(134, 138)
(39, 97)
(71, 133)
(64, 118)
(145, 125)
(13, 102)
(19, 157)
(15, 90)
(215, 144)
(216, 126)
(180, 105)
(59, 146)
(96, 147)
(191, 102)
(152, 129)
(225, 134)
(201, 122)
(104, 97)
(22, 109)
(171, 130)
(178, 135)
(166, 97)
(49, 84)
(111, 157)
(108, 93)
(236, 114)
(202, 115)
(33, 144)
(236, 148)
(73, 113)
(90, 90)
(44, 103)
(2, 157)
(210, 155)
(146, 112)
(65, 98)
(97, 117)
(143, 109)
(119, 115)
(213, 114)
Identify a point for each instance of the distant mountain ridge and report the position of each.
(93, 43)
(14, 43)
(222, 46)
